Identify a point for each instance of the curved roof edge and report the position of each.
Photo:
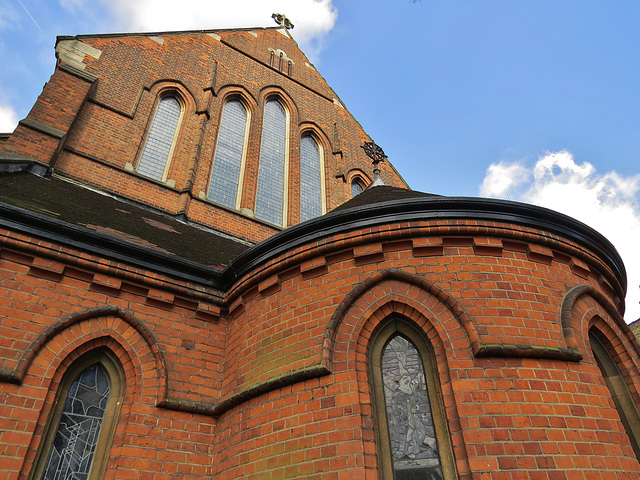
(427, 208)
(336, 222)
(65, 233)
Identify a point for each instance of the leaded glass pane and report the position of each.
(76, 438)
(310, 179)
(158, 145)
(414, 448)
(223, 188)
(270, 195)
(356, 188)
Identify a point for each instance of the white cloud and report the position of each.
(9, 16)
(8, 119)
(71, 5)
(607, 202)
(502, 178)
(313, 19)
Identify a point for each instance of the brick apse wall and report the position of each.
(270, 379)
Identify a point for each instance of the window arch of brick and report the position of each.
(273, 178)
(82, 421)
(617, 385)
(357, 186)
(225, 186)
(312, 181)
(411, 428)
(358, 182)
(161, 137)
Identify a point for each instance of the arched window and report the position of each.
(270, 199)
(357, 186)
(229, 160)
(620, 393)
(311, 178)
(413, 437)
(81, 425)
(160, 141)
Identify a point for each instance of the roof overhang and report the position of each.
(338, 222)
(423, 209)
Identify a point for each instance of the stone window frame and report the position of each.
(112, 366)
(285, 171)
(168, 93)
(617, 386)
(392, 327)
(245, 148)
(309, 132)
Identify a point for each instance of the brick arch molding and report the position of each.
(580, 308)
(393, 302)
(66, 324)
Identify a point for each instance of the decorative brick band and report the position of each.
(458, 216)
(425, 239)
(63, 253)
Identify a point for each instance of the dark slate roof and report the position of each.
(381, 193)
(55, 200)
(77, 216)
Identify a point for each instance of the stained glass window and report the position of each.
(310, 179)
(157, 148)
(271, 172)
(412, 435)
(74, 444)
(227, 163)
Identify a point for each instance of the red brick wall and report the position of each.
(270, 379)
(57, 107)
(58, 304)
(106, 138)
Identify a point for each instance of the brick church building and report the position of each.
(201, 277)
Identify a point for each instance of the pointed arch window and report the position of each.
(161, 137)
(411, 427)
(311, 178)
(272, 177)
(80, 428)
(226, 177)
(622, 399)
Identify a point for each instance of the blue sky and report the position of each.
(528, 100)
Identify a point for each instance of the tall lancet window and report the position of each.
(411, 425)
(80, 430)
(311, 178)
(272, 175)
(160, 141)
(620, 394)
(226, 183)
